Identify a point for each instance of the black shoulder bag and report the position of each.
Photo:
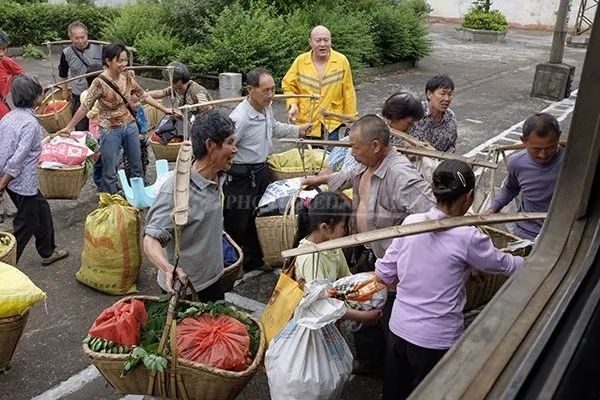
(116, 89)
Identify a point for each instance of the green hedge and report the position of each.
(213, 36)
(38, 22)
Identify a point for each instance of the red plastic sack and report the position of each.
(220, 341)
(65, 151)
(122, 323)
(54, 105)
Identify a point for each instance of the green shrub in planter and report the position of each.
(157, 48)
(483, 20)
(190, 19)
(135, 20)
(421, 8)
(400, 34)
(37, 22)
(242, 39)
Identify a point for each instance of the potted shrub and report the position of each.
(481, 24)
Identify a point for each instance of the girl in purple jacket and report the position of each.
(431, 270)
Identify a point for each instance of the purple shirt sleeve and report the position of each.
(483, 256)
(386, 268)
(509, 190)
(27, 139)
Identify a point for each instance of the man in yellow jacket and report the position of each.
(325, 72)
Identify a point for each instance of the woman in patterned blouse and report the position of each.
(438, 127)
(118, 128)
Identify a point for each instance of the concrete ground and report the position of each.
(493, 83)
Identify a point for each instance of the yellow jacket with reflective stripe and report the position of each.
(336, 90)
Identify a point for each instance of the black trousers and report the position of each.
(84, 124)
(406, 366)
(370, 341)
(33, 218)
(243, 188)
(214, 292)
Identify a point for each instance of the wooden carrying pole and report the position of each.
(238, 99)
(411, 229)
(95, 73)
(100, 42)
(399, 134)
(415, 151)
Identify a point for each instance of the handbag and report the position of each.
(282, 304)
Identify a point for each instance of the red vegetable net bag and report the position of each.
(220, 341)
(122, 323)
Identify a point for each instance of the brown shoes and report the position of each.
(57, 255)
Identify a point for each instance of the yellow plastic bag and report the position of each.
(280, 309)
(111, 257)
(17, 292)
(290, 161)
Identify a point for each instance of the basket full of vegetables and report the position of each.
(163, 347)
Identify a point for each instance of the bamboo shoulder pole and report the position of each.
(415, 151)
(411, 229)
(95, 73)
(238, 99)
(101, 42)
(399, 134)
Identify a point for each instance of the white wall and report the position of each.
(529, 13)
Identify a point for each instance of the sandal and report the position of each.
(56, 255)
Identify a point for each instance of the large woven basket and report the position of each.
(9, 254)
(167, 152)
(231, 272)
(153, 115)
(276, 233)
(482, 288)
(11, 329)
(184, 380)
(311, 163)
(54, 121)
(64, 183)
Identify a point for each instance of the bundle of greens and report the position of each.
(148, 354)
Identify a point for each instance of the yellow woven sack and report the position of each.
(290, 161)
(17, 292)
(111, 257)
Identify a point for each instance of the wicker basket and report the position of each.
(54, 121)
(64, 183)
(9, 255)
(313, 164)
(153, 115)
(182, 380)
(276, 233)
(230, 274)
(167, 152)
(11, 329)
(482, 288)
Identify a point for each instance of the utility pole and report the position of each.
(553, 79)
(560, 32)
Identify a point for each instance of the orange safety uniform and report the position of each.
(335, 87)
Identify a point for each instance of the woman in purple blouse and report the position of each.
(431, 270)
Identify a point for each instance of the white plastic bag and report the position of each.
(309, 359)
(284, 188)
(360, 292)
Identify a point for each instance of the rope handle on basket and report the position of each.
(169, 331)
